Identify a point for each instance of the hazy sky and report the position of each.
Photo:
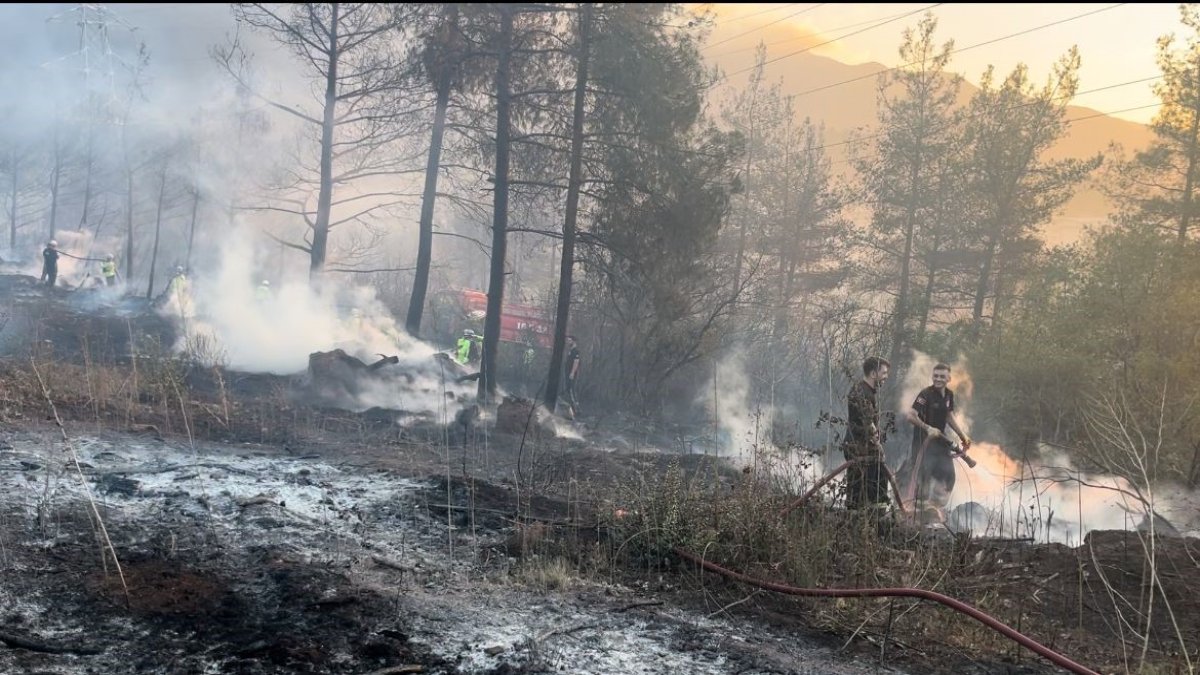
(1116, 44)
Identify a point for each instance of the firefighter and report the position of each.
(108, 269)
(867, 478)
(178, 290)
(464, 347)
(930, 465)
(262, 293)
(571, 370)
(50, 263)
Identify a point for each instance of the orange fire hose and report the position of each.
(901, 592)
(957, 605)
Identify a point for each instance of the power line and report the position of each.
(1066, 122)
(804, 37)
(863, 139)
(1113, 112)
(959, 51)
(766, 25)
(728, 21)
(808, 49)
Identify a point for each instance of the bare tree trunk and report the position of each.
(55, 179)
(981, 288)
(741, 249)
(900, 320)
(12, 203)
(1193, 480)
(495, 303)
(320, 240)
(930, 280)
(162, 191)
(128, 224)
(567, 265)
(1185, 218)
(416, 303)
(192, 227)
(87, 179)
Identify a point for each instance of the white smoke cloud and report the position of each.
(278, 334)
(1051, 500)
(1046, 497)
(743, 428)
(740, 425)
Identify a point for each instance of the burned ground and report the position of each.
(246, 559)
(260, 533)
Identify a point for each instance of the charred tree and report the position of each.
(442, 68)
(162, 195)
(495, 295)
(574, 181)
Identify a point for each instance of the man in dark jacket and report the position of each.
(928, 474)
(572, 373)
(50, 263)
(866, 479)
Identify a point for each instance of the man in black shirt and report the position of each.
(866, 479)
(50, 263)
(929, 472)
(572, 371)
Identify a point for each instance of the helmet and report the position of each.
(179, 269)
(110, 257)
(354, 311)
(266, 283)
(468, 332)
(53, 244)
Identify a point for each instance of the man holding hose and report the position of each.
(931, 462)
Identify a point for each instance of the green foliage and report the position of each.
(1157, 187)
(1113, 322)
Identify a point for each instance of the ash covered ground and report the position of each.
(248, 559)
(264, 523)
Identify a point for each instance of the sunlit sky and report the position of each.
(1117, 41)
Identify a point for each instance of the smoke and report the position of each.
(78, 260)
(740, 427)
(1046, 498)
(743, 428)
(1051, 500)
(223, 313)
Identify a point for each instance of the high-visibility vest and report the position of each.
(464, 349)
(108, 268)
(262, 293)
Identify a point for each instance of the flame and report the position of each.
(1044, 497)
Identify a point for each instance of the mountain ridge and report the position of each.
(843, 97)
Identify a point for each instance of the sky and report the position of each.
(1117, 41)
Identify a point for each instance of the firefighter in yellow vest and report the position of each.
(462, 351)
(108, 269)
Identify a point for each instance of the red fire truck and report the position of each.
(517, 322)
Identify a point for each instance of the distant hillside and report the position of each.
(852, 105)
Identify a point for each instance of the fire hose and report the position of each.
(900, 592)
(957, 605)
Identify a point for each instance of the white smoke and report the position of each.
(1046, 498)
(1052, 500)
(743, 428)
(740, 427)
(223, 310)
